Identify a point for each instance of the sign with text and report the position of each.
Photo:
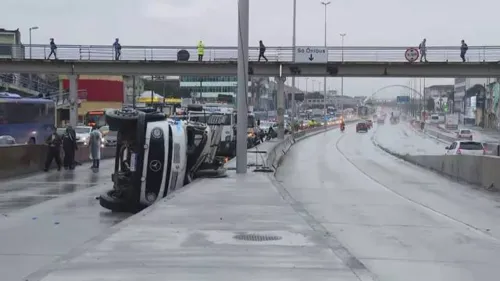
(311, 55)
(403, 99)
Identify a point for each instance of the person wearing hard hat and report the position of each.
(201, 50)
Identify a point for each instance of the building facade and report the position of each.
(465, 99)
(208, 88)
(10, 44)
(133, 86)
(102, 91)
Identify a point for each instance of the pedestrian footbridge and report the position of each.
(355, 61)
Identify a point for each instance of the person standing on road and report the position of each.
(463, 50)
(423, 50)
(262, 51)
(95, 141)
(69, 147)
(201, 50)
(54, 150)
(118, 49)
(53, 49)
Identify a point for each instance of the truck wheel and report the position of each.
(117, 119)
(111, 201)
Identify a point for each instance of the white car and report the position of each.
(465, 148)
(464, 134)
(83, 134)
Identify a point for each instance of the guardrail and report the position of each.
(228, 53)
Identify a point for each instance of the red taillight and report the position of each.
(459, 151)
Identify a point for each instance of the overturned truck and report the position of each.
(156, 155)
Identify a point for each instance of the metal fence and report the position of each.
(275, 54)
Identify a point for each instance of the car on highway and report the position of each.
(83, 134)
(109, 140)
(464, 134)
(361, 127)
(465, 148)
(7, 140)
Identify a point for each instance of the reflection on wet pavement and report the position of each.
(24, 192)
(45, 216)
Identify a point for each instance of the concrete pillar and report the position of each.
(280, 98)
(73, 99)
(242, 97)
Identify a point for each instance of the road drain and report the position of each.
(256, 237)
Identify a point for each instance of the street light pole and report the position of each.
(324, 80)
(30, 30)
(342, 78)
(293, 54)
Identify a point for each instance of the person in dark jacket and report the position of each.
(463, 50)
(53, 49)
(69, 147)
(54, 150)
(262, 51)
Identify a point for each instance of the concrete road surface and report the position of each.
(403, 139)
(400, 221)
(47, 215)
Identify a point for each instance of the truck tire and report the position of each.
(117, 119)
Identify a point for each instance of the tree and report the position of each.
(430, 104)
(257, 88)
(167, 89)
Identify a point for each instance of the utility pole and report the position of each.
(324, 80)
(294, 43)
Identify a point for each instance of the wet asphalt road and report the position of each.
(47, 215)
(400, 221)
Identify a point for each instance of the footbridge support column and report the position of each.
(242, 97)
(73, 99)
(280, 98)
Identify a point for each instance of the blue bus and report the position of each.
(27, 120)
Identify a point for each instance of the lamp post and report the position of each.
(30, 30)
(324, 80)
(293, 54)
(342, 35)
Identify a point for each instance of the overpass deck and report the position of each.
(348, 61)
(282, 54)
(265, 69)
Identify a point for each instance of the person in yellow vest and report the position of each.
(201, 50)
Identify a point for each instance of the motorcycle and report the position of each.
(342, 128)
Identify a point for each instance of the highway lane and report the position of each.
(400, 221)
(48, 215)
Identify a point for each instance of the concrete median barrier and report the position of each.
(20, 160)
(477, 170)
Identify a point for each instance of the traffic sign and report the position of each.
(412, 54)
(403, 99)
(311, 55)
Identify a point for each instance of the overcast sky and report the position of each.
(184, 22)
